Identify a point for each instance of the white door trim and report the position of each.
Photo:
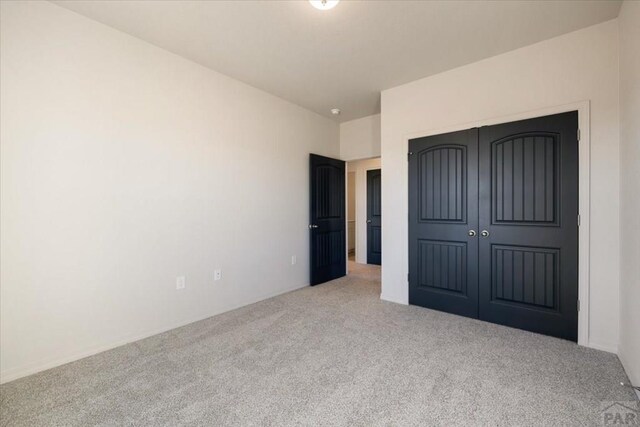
(584, 189)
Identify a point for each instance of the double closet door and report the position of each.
(493, 224)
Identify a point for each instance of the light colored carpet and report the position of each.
(334, 354)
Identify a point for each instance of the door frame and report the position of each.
(584, 191)
(366, 239)
(346, 175)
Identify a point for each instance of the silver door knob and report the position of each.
(472, 233)
(368, 221)
(313, 226)
(484, 233)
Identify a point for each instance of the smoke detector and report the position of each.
(324, 4)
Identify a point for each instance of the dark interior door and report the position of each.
(443, 221)
(327, 219)
(374, 216)
(529, 224)
(518, 264)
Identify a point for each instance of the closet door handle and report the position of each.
(472, 233)
(484, 233)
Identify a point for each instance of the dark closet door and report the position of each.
(493, 224)
(529, 224)
(327, 219)
(443, 222)
(374, 217)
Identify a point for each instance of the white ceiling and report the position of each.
(345, 56)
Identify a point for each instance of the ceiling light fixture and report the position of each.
(324, 4)
(335, 111)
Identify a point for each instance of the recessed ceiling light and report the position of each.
(324, 4)
(335, 111)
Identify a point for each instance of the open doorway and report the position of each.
(351, 216)
(364, 225)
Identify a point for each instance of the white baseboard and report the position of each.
(601, 347)
(33, 368)
(386, 298)
(632, 370)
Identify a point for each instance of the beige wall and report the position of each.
(360, 167)
(360, 138)
(579, 66)
(124, 166)
(630, 188)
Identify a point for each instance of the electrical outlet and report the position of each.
(294, 260)
(181, 282)
(217, 275)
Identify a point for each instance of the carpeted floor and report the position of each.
(334, 354)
